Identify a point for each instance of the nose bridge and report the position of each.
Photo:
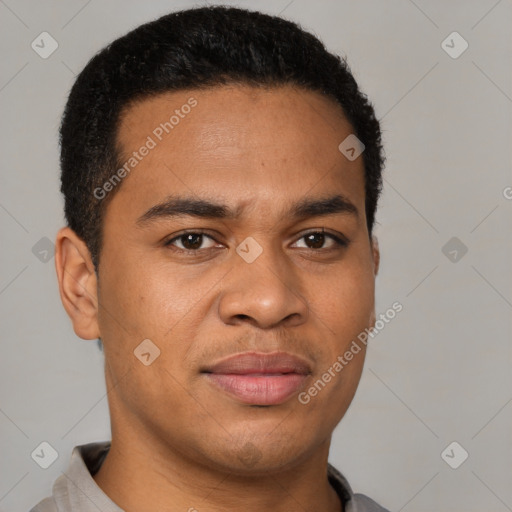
(262, 287)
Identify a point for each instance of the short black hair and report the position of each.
(191, 49)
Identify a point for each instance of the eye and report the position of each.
(315, 240)
(195, 241)
(191, 241)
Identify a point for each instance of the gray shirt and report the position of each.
(76, 491)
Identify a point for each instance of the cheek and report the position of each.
(140, 297)
(345, 302)
(143, 301)
(345, 308)
(146, 304)
(330, 393)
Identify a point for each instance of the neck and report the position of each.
(139, 476)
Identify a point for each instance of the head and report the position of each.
(211, 211)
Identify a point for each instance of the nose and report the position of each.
(265, 293)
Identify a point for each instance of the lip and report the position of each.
(259, 378)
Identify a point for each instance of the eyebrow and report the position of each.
(184, 206)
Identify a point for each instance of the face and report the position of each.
(241, 229)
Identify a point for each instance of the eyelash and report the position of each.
(340, 242)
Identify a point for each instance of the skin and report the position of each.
(178, 443)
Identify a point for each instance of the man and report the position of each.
(221, 172)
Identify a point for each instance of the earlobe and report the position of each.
(376, 263)
(77, 283)
(373, 319)
(375, 254)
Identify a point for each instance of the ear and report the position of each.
(77, 283)
(375, 254)
(376, 262)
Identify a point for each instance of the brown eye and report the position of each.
(190, 242)
(316, 240)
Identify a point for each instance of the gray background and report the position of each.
(439, 372)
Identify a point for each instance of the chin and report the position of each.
(252, 457)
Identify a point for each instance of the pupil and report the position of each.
(188, 241)
(319, 240)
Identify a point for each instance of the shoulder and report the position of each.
(365, 504)
(85, 460)
(352, 502)
(46, 505)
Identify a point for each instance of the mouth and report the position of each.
(259, 378)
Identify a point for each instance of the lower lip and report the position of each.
(261, 389)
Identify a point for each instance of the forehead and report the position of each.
(260, 145)
(231, 114)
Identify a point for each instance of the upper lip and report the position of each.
(260, 363)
